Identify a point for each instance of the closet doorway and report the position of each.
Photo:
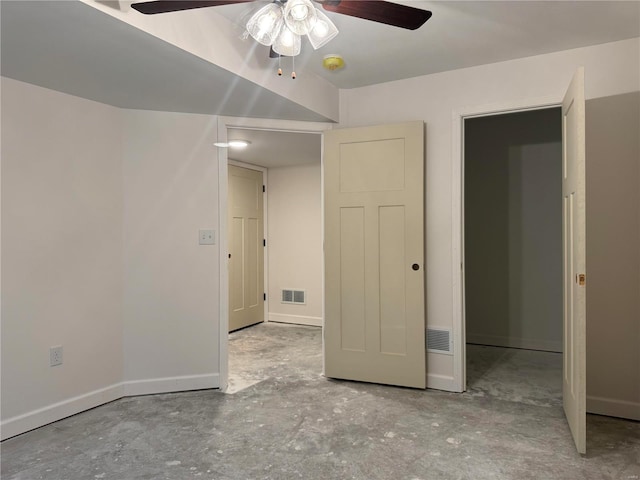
(513, 255)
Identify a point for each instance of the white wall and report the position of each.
(513, 230)
(295, 242)
(61, 254)
(170, 173)
(100, 215)
(611, 69)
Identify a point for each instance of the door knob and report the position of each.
(415, 266)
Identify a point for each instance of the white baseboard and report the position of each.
(613, 408)
(441, 382)
(171, 384)
(52, 413)
(297, 319)
(513, 342)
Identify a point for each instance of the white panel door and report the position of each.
(574, 251)
(246, 248)
(374, 249)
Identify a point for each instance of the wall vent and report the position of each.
(293, 296)
(439, 341)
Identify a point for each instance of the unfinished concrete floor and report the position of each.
(286, 421)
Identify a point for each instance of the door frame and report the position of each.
(224, 123)
(459, 381)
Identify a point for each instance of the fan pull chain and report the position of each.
(293, 67)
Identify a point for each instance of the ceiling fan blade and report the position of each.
(165, 6)
(380, 11)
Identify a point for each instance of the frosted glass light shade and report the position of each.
(287, 43)
(300, 16)
(265, 24)
(323, 31)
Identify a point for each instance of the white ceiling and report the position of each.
(460, 34)
(77, 49)
(275, 149)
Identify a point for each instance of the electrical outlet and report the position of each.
(55, 356)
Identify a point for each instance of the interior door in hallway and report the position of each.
(574, 259)
(374, 249)
(246, 248)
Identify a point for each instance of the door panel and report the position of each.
(236, 292)
(393, 312)
(574, 261)
(352, 279)
(374, 233)
(246, 264)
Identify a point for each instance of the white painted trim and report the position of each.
(171, 384)
(514, 342)
(441, 382)
(265, 227)
(613, 408)
(270, 124)
(457, 215)
(71, 406)
(57, 411)
(223, 259)
(296, 319)
(457, 250)
(292, 126)
(322, 234)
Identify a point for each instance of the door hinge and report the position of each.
(264, 297)
(581, 279)
(264, 242)
(263, 189)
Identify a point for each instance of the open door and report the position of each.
(374, 248)
(246, 248)
(574, 253)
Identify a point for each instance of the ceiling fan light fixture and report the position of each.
(322, 32)
(287, 43)
(300, 16)
(265, 24)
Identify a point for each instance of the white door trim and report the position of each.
(459, 383)
(223, 274)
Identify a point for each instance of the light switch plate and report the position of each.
(207, 237)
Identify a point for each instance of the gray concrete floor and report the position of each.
(285, 421)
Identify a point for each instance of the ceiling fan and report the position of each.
(379, 11)
(281, 23)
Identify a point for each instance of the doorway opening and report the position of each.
(284, 259)
(512, 247)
